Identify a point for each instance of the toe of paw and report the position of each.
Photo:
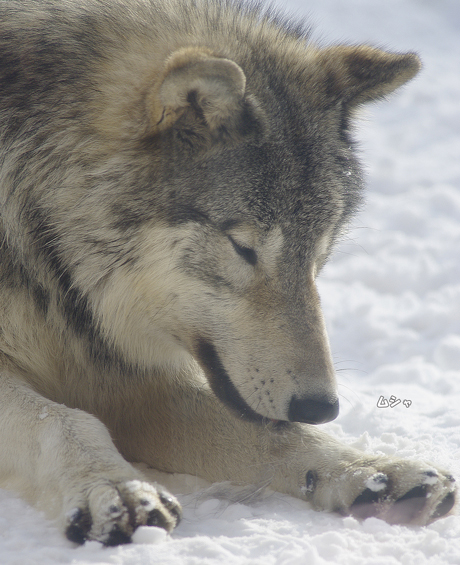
(157, 518)
(173, 507)
(368, 503)
(163, 517)
(409, 507)
(154, 507)
(113, 513)
(445, 506)
(415, 507)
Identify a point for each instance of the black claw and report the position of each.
(167, 501)
(75, 534)
(176, 511)
(444, 506)
(172, 506)
(77, 530)
(156, 518)
(365, 505)
(311, 479)
(416, 492)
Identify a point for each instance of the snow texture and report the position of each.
(379, 481)
(391, 297)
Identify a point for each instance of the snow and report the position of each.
(379, 482)
(391, 297)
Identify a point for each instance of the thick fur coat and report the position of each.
(173, 176)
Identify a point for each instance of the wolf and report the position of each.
(174, 174)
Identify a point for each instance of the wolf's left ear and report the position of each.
(193, 78)
(361, 74)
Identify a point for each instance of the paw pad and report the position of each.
(366, 504)
(409, 506)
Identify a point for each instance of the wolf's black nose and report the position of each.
(311, 411)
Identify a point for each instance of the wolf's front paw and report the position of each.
(110, 512)
(397, 491)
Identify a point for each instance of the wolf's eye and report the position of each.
(248, 254)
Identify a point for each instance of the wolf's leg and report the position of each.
(64, 459)
(198, 435)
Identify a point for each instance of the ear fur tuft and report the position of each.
(360, 74)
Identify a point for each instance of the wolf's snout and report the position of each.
(311, 411)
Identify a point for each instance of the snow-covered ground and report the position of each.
(391, 296)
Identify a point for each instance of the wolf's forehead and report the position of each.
(284, 248)
(274, 241)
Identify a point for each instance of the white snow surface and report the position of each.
(391, 297)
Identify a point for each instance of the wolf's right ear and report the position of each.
(193, 78)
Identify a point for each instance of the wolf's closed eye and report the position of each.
(248, 254)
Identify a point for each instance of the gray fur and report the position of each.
(173, 177)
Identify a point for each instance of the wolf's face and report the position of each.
(264, 220)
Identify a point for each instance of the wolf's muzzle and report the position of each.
(312, 411)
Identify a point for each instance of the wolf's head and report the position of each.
(258, 179)
(204, 192)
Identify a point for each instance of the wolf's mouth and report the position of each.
(220, 382)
